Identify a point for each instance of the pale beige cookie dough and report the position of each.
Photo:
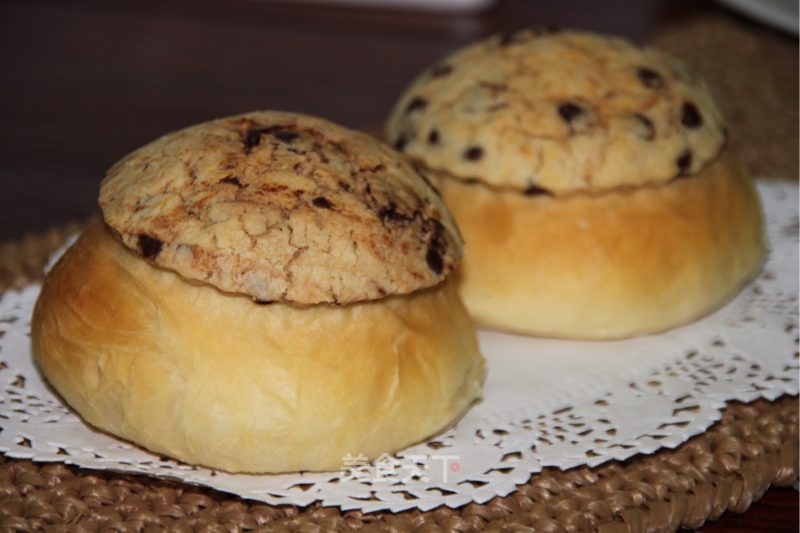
(542, 109)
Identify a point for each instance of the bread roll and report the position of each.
(229, 381)
(590, 181)
(624, 263)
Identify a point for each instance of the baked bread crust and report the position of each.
(563, 112)
(626, 262)
(215, 379)
(282, 207)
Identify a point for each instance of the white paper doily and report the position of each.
(547, 402)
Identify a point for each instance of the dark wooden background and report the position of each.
(83, 82)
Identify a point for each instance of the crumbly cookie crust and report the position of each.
(282, 207)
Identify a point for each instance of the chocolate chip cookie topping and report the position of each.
(282, 207)
(560, 111)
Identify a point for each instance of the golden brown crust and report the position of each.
(561, 111)
(622, 263)
(282, 207)
(215, 379)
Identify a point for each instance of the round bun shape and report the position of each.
(560, 111)
(282, 207)
(632, 261)
(215, 379)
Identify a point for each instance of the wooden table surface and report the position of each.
(86, 81)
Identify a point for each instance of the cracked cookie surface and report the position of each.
(282, 207)
(541, 110)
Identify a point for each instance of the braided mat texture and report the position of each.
(727, 468)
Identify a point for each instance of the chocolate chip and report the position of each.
(690, 116)
(650, 78)
(441, 70)
(149, 246)
(390, 213)
(321, 201)
(650, 129)
(437, 244)
(232, 180)
(434, 260)
(433, 137)
(284, 135)
(401, 142)
(569, 111)
(262, 302)
(417, 104)
(535, 190)
(684, 161)
(252, 138)
(473, 153)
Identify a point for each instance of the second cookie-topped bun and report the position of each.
(589, 178)
(267, 293)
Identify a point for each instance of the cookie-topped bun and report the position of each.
(589, 179)
(267, 294)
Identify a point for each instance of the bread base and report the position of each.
(215, 379)
(619, 264)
